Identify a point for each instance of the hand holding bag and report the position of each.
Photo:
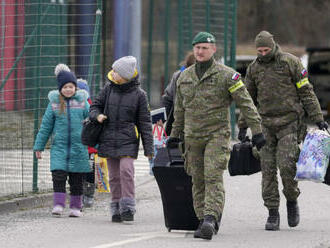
(91, 129)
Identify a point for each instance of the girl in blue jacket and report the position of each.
(66, 110)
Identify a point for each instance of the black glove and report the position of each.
(242, 134)
(173, 142)
(258, 140)
(323, 125)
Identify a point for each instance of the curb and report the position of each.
(24, 203)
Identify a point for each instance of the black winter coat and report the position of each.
(128, 119)
(168, 100)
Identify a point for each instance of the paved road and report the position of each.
(242, 224)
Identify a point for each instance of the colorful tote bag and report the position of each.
(314, 156)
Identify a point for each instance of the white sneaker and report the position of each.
(57, 210)
(74, 212)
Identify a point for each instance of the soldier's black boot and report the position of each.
(217, 225)
(273, 220)
(197, 233)
(208, 227)
(293, 213)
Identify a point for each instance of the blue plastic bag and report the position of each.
(314, 157)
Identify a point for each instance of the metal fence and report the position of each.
(35, 37)
(171, 28)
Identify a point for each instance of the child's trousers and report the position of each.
(121, 180)
(75, 181)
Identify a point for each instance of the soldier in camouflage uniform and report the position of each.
(279, 86)
(205, 91)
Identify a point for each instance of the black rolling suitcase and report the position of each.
(175, 189)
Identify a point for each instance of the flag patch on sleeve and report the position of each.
(235, 76)
(304, 72)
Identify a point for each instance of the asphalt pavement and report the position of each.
(242, 224)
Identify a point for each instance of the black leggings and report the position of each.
(90, 176)
(75, 181)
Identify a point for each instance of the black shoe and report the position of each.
(116, 218)
(208, 227)
(273, 221)
(217, 224)
(127, 215)
(197, 233)
(293, 213)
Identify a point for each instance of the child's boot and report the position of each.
(127, 208)
(88, 198)
(75, 205)
(116, 217)
(58, 203)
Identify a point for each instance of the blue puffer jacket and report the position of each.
(67, 152)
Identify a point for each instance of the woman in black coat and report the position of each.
(126, 118)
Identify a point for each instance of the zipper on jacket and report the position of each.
(117, 122)
(69, 133)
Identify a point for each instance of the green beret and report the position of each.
(203, 37)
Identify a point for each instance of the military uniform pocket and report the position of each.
(187, 91)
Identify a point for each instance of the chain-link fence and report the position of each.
(171, 26)
(35, 37)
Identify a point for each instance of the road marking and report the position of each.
(141, 237)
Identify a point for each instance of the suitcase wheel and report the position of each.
(169, 229)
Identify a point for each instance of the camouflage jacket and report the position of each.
(202, 105)
(281, 91)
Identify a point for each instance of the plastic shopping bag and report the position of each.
(314, 156)
(160, 150)
(102, 174)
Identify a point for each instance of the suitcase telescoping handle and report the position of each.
(175, 155)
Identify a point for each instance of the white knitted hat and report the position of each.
(125, 67)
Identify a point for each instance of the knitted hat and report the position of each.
(82, 84)
(264, 39)
(125, 67)
(64, 76)
(203, 37)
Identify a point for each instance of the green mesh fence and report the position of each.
(35, 37)
(171, 28)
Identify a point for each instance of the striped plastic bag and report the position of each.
(102, 174)
(314, 156)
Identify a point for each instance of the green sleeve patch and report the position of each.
(302, 82)
(236, 86)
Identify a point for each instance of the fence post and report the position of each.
(95, 39)
(167, 25)
(37, 99)
(233, 65)
(151, 24)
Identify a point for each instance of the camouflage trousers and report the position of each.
(205, 161)
(281, 151)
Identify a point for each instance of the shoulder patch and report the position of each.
(235, 76)
(304, 72)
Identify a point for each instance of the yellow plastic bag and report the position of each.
(102, 174)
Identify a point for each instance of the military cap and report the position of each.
(264, 39)
(203, 37)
